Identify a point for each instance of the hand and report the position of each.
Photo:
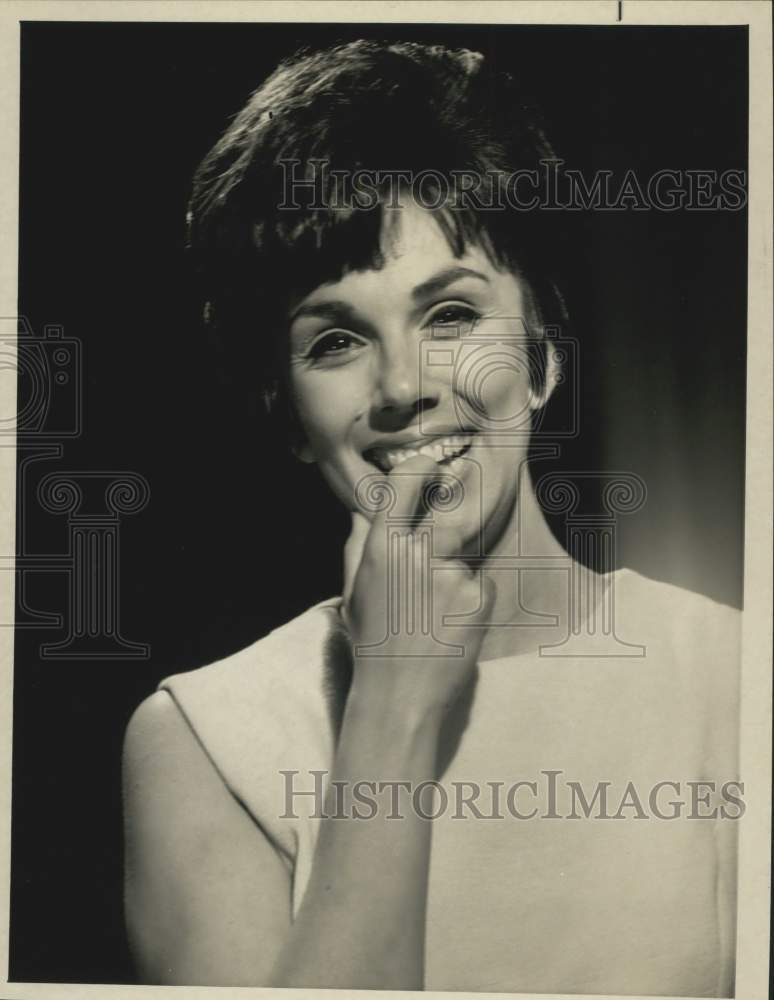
(353, 552)
(394, 606)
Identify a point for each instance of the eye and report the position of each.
(455, 316)
(334, 345)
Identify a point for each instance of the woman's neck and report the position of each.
(532, 573)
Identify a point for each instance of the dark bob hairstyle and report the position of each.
(383, 110)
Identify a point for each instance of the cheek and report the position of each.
(325, 416)
(494, 385)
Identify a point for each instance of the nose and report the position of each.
(401, 393)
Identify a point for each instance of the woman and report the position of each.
(278, 802)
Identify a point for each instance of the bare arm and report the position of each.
(208, 897)
(362, 920)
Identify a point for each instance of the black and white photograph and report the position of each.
(386, 448)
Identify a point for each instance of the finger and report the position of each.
(406, 485)
(358, 532)
(353, 550)
(442, 497)
(409, 481)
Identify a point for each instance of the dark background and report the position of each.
(236, 538)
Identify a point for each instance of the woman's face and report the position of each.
(428, 353)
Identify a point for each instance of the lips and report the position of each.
(441, 449)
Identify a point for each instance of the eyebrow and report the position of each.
(334, 309)
(337, 310)
(446, 277)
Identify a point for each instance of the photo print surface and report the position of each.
(380, 492)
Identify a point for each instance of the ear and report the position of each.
(300, 448)
(552, 375)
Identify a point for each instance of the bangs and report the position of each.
(309, 247)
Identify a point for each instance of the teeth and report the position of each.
(441, 450)
(393, 458)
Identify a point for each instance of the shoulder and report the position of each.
(155, 726)
(290, 661)
(694, 643)
(251, 717)
(298, 647)
(674, 613)
(166, 770)
(174, 802)
(161, 751)
(263, 686)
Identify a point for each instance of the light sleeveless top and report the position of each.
(592, 859)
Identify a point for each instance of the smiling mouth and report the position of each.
(442, 450)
